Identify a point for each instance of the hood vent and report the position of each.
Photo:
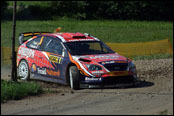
(84, 60)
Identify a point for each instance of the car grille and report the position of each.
(116, 67)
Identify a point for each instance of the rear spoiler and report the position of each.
(27, 34)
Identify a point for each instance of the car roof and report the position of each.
(72, 37)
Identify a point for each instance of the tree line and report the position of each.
(93, 10)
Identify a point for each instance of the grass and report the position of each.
(17, 90)
(165, 112)
(105, 30)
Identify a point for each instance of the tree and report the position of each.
(4, 5)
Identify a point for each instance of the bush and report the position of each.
(116, 10)
(4, 5)
(18, 90)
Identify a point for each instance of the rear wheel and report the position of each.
(74, 78)
(23, 70)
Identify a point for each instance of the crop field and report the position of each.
(105, 30)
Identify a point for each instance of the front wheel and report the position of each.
(74, 78)
(23, 70)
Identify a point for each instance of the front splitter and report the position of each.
(108, 86)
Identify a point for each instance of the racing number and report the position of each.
(55, 59)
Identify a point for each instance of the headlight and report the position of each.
(92, 67)
(131, 65)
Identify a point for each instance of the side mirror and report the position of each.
(64, 53)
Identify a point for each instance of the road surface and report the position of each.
(153, 96)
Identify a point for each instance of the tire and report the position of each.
(74, 78)
(23, 71)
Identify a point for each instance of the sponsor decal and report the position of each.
(97, 72)
(108, 62)
(111, 62)
(92, 79)
(73, 40)
(41, 70)
(33, 68)
(53, 73)
(26, 52)
(120, 61)
(104, 57)
(56, 59)
(44, 71)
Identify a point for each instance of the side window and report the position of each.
(34, 43)
(52, 45)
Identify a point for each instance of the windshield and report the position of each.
(88, 48)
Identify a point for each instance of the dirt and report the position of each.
(153, 96)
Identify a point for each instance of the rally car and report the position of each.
(79, 60)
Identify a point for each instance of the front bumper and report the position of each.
(105, 86)
(108, 82)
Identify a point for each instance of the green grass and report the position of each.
(105, 30)
(165, 112)
(14, 91)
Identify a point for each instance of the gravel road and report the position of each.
(153, 96)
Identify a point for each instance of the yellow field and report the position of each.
(142, 48)
(125, 49)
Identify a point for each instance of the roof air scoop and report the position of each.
(74, 35)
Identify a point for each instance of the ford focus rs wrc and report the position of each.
(74, 59)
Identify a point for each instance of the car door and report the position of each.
(56, 60)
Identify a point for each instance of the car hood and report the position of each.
(100, 57)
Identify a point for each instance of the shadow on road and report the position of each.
(143, 84)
